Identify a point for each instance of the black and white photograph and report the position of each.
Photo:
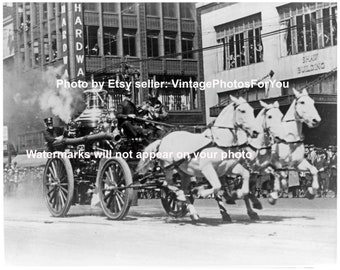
(169, 134)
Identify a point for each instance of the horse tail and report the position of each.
(144, 163)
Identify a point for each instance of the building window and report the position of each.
(326, 86)
(54, 45)
(241, 41)
(110, 7)
(35, 18)
(334, 25)
(58, 8)
(178, 99)
(152, 44)
(152, 9)
(46, 49)
(44, 11)
(187, 46)
(129, 43)
(307, 27)
(91, 40)
(36, 52)
(187, 10)
(170, 44)
(90, 6)
(110, 40)
(169, 10)
(53, 10)
(128, 8)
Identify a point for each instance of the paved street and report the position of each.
(294, 232)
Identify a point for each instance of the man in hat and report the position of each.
(160, 112)
(126, 112)
(312, 154)
(153, 109)
(332, 163)
(51, 133)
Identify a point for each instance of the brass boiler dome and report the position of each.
(95, 107)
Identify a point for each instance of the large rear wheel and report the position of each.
(114, 194)
(58, 186)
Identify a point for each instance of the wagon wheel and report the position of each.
(58, 186)
(172, 206)
(115, 198)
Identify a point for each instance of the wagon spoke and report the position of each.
(49, 193)
(53, 196)
(62, 198)
(118, 203)
(111, 204)
(63, 179)
(57, 168)
(57, 200)
(106, 182)
(107, 177)
(48, 184)
(54, 170)
(107, 195)
(113, 176)
(172, 202)
(52, 174)
(64, 190)
(51, 179)
(120, 197)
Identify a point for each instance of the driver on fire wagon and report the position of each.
(51, 134)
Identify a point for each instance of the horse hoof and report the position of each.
(233, 197)
(254, 216)
(238, 194)
(309, 195)
(195, 218)
(257, 205)
(230, 201)
(226, 218)
(271, 200)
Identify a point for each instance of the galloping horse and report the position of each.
(269, 121)
(288, 152)
(206, 151)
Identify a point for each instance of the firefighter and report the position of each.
(51, 134)
(126, 112)
(160, 112)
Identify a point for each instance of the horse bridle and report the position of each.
(235, 124)
(298, 117)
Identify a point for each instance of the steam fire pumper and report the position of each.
(69, 181)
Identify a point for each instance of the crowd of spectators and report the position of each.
(324, 159)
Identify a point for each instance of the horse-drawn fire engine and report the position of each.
(88, 161)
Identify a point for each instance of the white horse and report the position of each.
(259, 148)
(206, 152)
(289, 151)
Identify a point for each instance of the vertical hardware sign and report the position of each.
(79, 41)
(64, 41)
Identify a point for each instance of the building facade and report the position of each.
(94, 39)
(8, 34)
(294, 44)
